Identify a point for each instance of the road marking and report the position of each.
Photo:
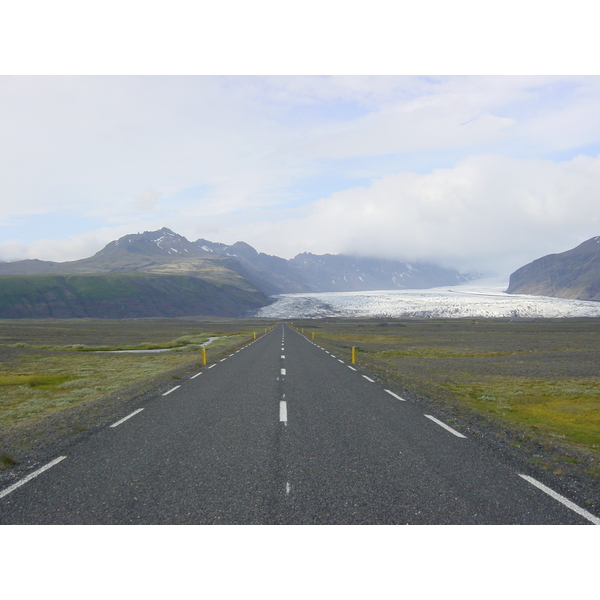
(196, 375)
(368, 379)
(340, 360)
(29, 477)
(580, 511)
(171, 390)
(135, 412)
(333, 356)
(283, 411)
(288, 488)
(395, 395)
(283, 356)
(351, 368)
(447, 427)
(213, 365)
(223, 359)
(283, 371)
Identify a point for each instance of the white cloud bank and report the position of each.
(488, 213)
(475, 172)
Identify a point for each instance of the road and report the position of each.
(282, 432)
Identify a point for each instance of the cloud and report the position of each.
(148, 200)
(488, 213)
(455, 169)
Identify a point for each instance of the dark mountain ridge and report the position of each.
(309, 272)
(572, 274)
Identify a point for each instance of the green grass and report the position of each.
(33, 380)
(39, 378)
(7, 460)
(540, 375)
(568, 409)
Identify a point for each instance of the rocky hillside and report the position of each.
(571, 274)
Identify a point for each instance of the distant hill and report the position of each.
(121, 295)
(572, 274)
(160, 273)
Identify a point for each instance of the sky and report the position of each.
(475, 172)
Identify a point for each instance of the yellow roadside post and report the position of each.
(353, 355)
(203, 356)
(313, 335)
(255, 335)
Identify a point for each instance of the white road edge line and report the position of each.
(368, 379)
(196, 375)
(29, 477)
(283, 371)
(283, 411)
(213, 365)
(171, 390)
(395, 395)
(447, 427)
(351, 368)
(580, 511)
(135, 412)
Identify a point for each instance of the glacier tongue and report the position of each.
(440, 303)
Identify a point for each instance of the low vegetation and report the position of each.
(49, 367)
(541, 378)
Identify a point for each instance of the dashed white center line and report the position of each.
(340, 360)
(580, 511)
(135, 412)
(29, 477)
(283, 356)
(351, 368)
(368, 379)
(283, 411)
(395, 395)
(223, 359)
(447, 427)
(283, 371)
(288, 488)
(196, 375)
(213, 365)
(171, 390)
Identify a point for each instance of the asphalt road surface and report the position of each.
(282, 432)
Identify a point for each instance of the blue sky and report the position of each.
(477, 172)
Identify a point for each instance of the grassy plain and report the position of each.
(53, 368)
(541, 378)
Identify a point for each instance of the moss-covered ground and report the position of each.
(540, 377)
(51, 368)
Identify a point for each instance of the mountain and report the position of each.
(342, 273)
(156, 273)
(572, 274)
(160, 273)
(308, 272)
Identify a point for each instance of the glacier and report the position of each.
(469, 300)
